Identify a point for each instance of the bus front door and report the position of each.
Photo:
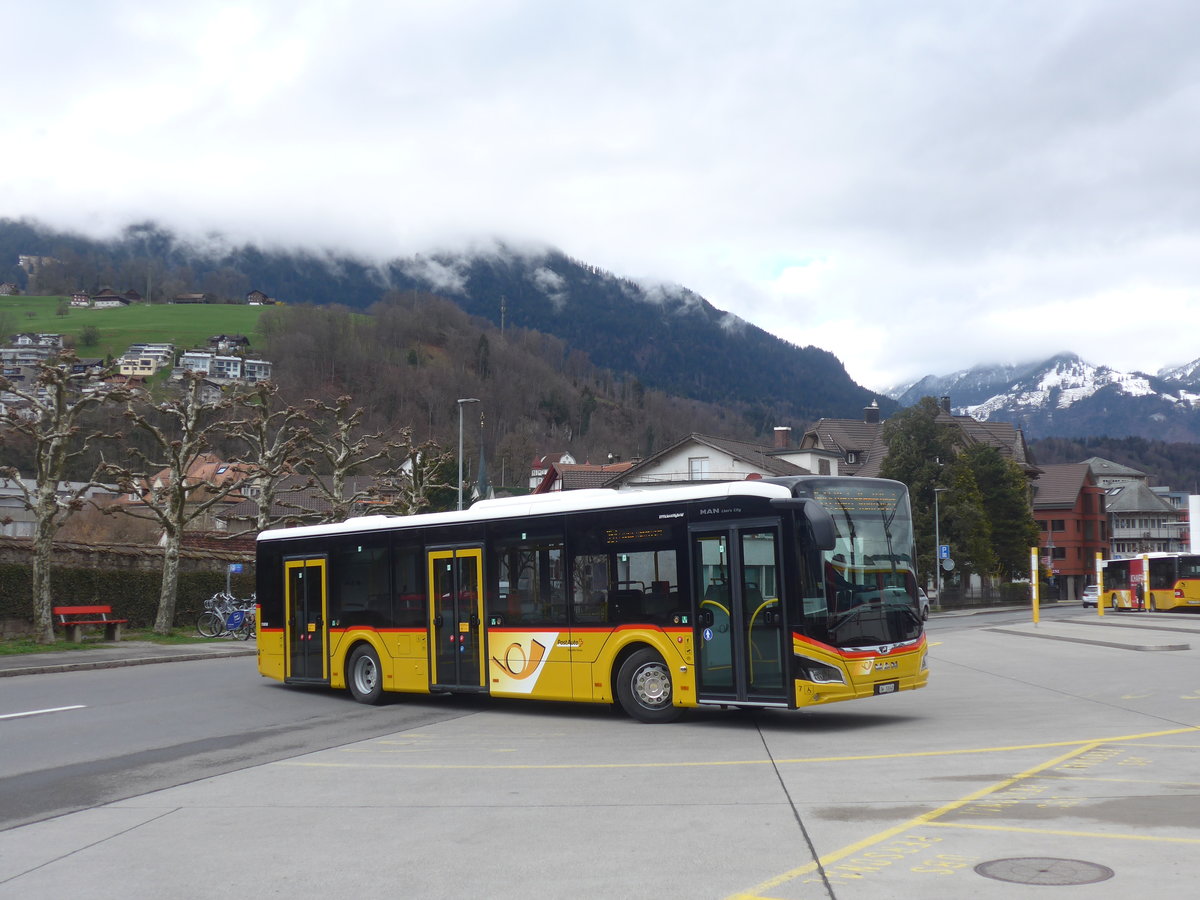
(456, 617)
(740, 634)
(306, 627)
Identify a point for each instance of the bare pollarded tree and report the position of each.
(179, 479)
(339, 448)
(276, 438)
(48, 414)
(402, 473)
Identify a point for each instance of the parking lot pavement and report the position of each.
(1025, 762)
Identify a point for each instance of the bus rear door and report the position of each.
(740, 634)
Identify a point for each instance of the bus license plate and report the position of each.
(887, 687)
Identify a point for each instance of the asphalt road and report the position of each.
(1062, 755)
(116, 733)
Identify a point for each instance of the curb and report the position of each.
(1096, 643)
(85, 665)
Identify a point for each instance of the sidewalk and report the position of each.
(1124, 631)
(120, 653)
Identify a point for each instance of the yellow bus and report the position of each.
(1121, 584)
(776, 593)
(1174, 581)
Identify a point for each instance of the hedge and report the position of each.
(133, 595)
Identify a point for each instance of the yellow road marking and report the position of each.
(896, 830)
(1057, 832)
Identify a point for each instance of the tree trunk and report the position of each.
(165, 620)
(43, 551)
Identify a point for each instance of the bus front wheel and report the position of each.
(644, 687)
(364, 676)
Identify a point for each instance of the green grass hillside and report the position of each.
(185, 326)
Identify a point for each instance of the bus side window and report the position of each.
(589, 588)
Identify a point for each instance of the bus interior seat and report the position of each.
(625, 605)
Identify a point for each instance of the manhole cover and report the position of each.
(1044, 870)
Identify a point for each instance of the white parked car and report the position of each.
(922, 604)
(1091, 595)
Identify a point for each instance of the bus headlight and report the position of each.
(818, 672)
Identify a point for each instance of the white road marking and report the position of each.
(40, 712)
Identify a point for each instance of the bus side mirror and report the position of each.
(820, 522)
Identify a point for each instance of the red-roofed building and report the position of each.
(1069, 508)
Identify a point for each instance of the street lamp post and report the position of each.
(461, 401)
(937, 543)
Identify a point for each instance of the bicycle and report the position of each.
(226, 615)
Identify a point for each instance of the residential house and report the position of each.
(132, 296)
(703, 458)
(108, 299)
(254, 370)
(224, 343)
(1140, 519)
(860, 444)
(540, 467)
(87, 365)
(9, 289)
(18, 521)
(13, 358)
(192, 298)
(206, 469)
(143, 360)
(259, 298)
(29, 339)
(224, 367)
(1182, 501)
(81, 299)
(577, 476)
(28, 350)
(1069, 508)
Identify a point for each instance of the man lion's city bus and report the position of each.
(777, 593)
(1173, 582)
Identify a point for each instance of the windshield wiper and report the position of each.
(851, 615)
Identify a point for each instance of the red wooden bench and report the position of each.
(71, 618)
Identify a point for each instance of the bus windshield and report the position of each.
(867, 582)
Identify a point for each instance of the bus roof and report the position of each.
(539, 505)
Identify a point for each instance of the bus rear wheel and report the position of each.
(644, 688)
(364, 676)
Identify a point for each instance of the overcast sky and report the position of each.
(917, 187)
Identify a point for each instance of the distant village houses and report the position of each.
(222, 363)
(143, 360)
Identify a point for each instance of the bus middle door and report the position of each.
(456, 617)
(307, 627)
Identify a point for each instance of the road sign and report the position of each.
(944, 551)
